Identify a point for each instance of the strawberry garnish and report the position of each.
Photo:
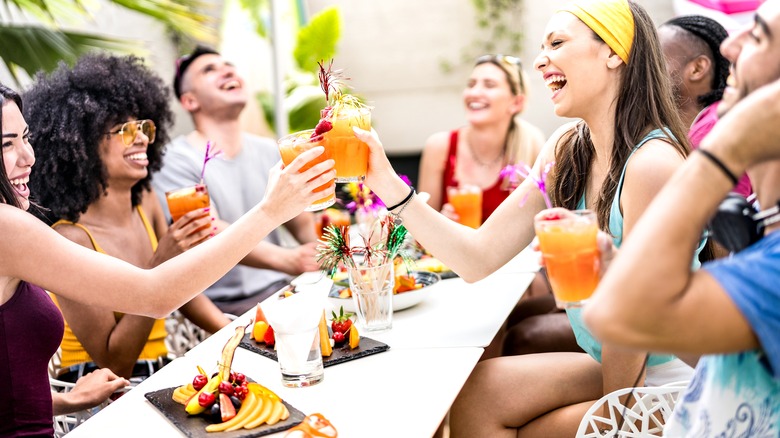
(341, 322)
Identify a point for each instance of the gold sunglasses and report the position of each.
(129, 131)
(514, 71)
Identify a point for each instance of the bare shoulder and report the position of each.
(438, 143)
(655, 157)
(74, 234)
(547, 153)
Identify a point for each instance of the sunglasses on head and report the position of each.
(129, 131)
(514, 64)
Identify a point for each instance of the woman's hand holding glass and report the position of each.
(190, 230)
(291, 190)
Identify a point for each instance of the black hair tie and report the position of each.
(715, 160)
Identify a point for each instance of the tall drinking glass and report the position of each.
(350, 154)
(372, 292)
(467, 202)
(184, 200)
(292, 145)
(567, 240)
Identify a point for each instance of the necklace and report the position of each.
(490, 163)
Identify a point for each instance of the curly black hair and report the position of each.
(70, 112)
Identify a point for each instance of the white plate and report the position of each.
(401, 301)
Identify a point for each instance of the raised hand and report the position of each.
(291, 190)
(190, 230)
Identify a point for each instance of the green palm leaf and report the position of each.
(34, 48)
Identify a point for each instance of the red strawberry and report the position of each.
(341, 323)
(322, 127)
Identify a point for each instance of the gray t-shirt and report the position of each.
(235, 186)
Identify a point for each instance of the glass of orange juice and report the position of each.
(567, 240)
(350, 154)
(290, 146)
(184, 200)
(467, 202)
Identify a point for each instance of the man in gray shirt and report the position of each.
(209, 88)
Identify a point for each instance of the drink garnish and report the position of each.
(207, 157)
(512, 173)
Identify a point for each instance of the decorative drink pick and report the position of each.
(335, 248)
(512, 172)
(206, 158)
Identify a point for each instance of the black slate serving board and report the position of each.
(195, 426)
(340, 354)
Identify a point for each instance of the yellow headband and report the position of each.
(610, 19)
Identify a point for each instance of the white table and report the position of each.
(405, 391)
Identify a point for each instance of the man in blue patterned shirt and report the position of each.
(729, 311)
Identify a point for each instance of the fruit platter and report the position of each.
(409, 290)
(339, 341)
(225, 403)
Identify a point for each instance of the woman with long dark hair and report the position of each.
(602, 61)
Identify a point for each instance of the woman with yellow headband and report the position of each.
(603, 63)
(495, 136)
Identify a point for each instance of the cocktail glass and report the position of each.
(372, 292)
(184, 200)
(567, 240)
(467, 202)
(300, 358)
(292, 145)
(350, 154)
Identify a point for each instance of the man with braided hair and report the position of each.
(691, 46)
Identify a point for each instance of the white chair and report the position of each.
(182, 335)
(67, 422)
(646, 412)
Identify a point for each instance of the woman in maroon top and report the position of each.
(31, 327)
(494, 137)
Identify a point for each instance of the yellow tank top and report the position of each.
(73, 352)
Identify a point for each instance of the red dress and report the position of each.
(492, 197)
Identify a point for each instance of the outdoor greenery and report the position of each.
(316, 41)
(35, 35)
(499, 31)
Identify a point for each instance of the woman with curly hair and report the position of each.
(34, 257)
(100, 128)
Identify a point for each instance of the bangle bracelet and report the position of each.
(404, 201)
(716, 161)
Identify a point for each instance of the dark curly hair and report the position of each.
(70, 112)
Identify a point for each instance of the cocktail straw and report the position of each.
(207, 157)
(511, 172)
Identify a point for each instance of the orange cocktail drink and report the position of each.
(567, 240)
(292, 145)
(184, 200)
(467, 202)
(350, 154)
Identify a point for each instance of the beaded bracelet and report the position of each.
(404, 201)
(716, 161)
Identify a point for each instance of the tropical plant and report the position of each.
(315, 41)
(35, 37)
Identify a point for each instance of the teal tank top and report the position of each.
(584, 338)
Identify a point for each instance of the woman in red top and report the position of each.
(494, 137)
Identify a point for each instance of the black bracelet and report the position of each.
(734, 178)
(409, 196)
